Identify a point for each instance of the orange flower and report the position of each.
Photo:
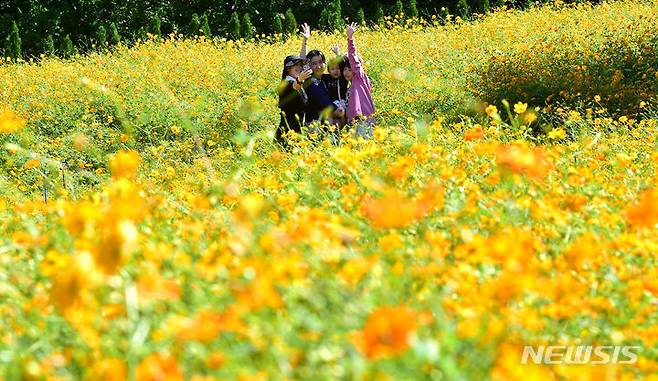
(391, 242)
(509, 368)
(159, 367)
(32, 163)
(392, 211)
(650, 283)
(401, 168)
(584, 251)
(69, 282)
(124, 164)
(387, 332)
(523, 159)
(207, 325)
(10, 122)
(115, 242)
(215, 360)
(109, 369)
(113, 311)
(575, 202)
(153, 286)
(513, 249)
(259, 293)
(474, 133)
(645, 212)
(507, 286)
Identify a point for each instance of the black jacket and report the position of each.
(319, 102)
(337, 87)
(293, 105)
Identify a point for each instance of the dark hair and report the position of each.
(314, 53)
(284, 73)
(345, 62)
(289, 62)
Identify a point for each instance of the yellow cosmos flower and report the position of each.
(124, 164)
(529, 117)
(557, 134)
(109, 369)
(10, 122)
(71, 280)
(32, 163)
(491, 111)
(520, 107)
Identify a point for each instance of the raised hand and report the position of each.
(306, 74)
(351, 29)
(336, 50)
(306, 31)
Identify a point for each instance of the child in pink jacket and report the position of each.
(360, 105)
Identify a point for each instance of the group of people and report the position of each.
(323, 95)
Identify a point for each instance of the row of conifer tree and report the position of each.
(240, 25)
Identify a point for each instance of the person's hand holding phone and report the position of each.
(306, 74)
(303, 76)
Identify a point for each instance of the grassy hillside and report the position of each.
(176, 242)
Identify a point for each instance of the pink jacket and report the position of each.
(359, 98)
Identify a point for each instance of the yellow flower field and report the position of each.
(151, 230)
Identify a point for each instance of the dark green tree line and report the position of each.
(29, 28)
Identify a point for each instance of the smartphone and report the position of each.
(307, 66)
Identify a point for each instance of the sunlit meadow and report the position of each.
(151, 230)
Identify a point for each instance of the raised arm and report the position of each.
(287, 90)
(303, 76)
(306, 34)
(352, 55)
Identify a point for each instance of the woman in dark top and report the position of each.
(319, 107)
(292, 97)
